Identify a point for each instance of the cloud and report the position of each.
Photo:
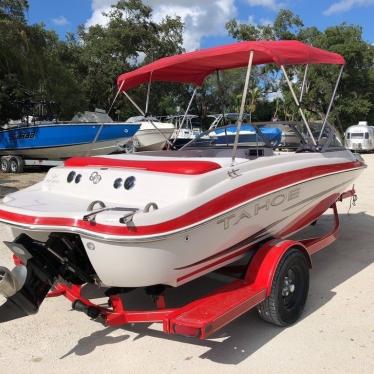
(271, 4)
(266, 22)
(201, 18)
(346, 5)
(60, 21)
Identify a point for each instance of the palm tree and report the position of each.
(252, 100)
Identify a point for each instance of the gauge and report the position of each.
(71, 176)
(117, 183)
(129, 183)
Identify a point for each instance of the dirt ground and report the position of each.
(335, 334)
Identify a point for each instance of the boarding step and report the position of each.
(205, 316)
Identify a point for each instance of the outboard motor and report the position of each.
(27, 285)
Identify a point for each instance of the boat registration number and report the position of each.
(24, 135)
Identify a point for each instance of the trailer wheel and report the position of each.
(289, 290)
(16, 164)
(4, 165)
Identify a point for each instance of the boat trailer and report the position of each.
(206, 315)
(16, 164)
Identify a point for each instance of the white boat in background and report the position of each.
(360, 137)
(185, 130)
(152, 134)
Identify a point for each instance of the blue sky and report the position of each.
(205, 19)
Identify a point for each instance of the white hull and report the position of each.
(181, 249)
(157, 261)
(150, 139)
(56, 153)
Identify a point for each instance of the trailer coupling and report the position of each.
(26, 286)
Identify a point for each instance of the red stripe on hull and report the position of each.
(218, 205)
(297, 224)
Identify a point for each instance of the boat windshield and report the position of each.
(276, 135)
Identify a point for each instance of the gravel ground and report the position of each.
(335, 335)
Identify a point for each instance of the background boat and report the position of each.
(89, 133)
(152, 135)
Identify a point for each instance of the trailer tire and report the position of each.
(16, 165)
(289, 290)
(4, 165)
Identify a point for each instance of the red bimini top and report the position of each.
(193, 67)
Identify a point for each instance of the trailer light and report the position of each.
(78, 178)
(129, 183)
(71, 176)
(117, 183)
(187, 331)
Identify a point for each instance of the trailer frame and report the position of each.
(206, 315)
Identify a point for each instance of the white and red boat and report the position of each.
(157, 219)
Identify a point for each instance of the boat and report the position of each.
(185, 131)
(248, 134)
(161, 219)
(89, 133)
(152, 135)
(360, 137)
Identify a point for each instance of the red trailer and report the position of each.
(276, 281)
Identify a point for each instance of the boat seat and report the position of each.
(170, 166)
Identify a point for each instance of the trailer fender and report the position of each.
(263, 266)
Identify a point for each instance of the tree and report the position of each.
(129, 36)
(13, 10)
(355, 98)
(80, 73)
(32, 65)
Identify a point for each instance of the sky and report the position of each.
(205, 19)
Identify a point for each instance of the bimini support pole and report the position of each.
(134, 103)
(148, 93)
(186, 112)
(115, 97)
(331, 101)
(244, 98)
(144, 115)
(303, 85)
(298, 105)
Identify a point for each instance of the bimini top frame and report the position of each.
(194, 67)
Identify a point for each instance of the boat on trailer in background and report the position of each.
(152, 135)
(248, 134)
(157, 220)
(38, 142)
(185, 131)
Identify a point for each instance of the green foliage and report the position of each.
(13, 10)
(32, 65)
(80, 72)
(107, 51)
(355, 98)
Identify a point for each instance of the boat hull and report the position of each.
(152, 139)
(59, 141)
(180, 258)
(174, 258)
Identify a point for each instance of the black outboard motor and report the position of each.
(26, 286)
